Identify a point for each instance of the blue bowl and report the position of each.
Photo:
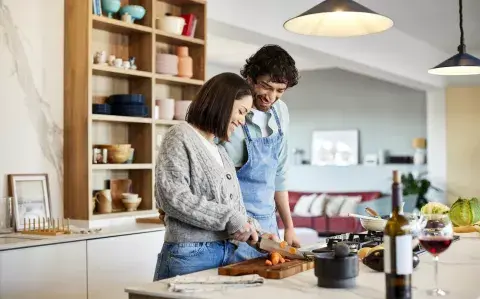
(126, 99)
(110, 6)
(136, 11)
(130, 110)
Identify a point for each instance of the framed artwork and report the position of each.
(31, 197)
(339, 148)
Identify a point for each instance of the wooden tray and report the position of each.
(257, 266)
(151, 220)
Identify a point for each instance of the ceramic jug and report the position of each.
(185, 63)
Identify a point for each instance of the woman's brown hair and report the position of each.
(212, 108)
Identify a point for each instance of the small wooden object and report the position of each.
(257, 266)
(46, 227)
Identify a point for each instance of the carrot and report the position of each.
(283, 244)
(287, 260)
(275, 257)
(282, 260)
(268, 262)
(292, 250)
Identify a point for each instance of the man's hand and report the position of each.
(291, 237)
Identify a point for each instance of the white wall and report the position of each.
(31, 84)
(437, 141)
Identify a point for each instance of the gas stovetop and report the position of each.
(356, 241)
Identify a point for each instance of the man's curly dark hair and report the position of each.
(273, 61)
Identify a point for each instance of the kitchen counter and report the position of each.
(26, 241)
(458, 273)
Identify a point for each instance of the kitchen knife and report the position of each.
(268, 245)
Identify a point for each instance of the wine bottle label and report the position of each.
(398, 255)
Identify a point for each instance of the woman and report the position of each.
(196, 185)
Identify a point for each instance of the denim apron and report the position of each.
(257, 182)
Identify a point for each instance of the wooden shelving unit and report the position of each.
(87, 83)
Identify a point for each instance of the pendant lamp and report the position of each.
(338, 18)
(461, 63)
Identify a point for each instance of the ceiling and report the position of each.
(233, 53)
(423, 36)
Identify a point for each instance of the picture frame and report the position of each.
(31, 197)
(335, 147)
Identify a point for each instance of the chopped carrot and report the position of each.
(292, 250)
(282, 260)
(275, 257)
(283, 244)
(287, 260)
(268, 262)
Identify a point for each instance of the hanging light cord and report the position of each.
(461, 47)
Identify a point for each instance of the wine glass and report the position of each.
(435, 233)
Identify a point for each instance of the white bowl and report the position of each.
(377, 225)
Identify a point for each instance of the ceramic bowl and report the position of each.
(136, 11)
(376, 225)
(129, 197)
(110, 6)
(171, 24)
(131, 206)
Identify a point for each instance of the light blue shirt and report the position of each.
(237, 148)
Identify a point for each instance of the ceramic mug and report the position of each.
(104, 200)
(118, 62)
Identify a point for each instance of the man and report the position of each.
(259, 148)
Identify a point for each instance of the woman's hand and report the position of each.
(245, 233)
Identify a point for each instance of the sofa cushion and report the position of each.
(318, 205)
(294, 196)
(302, 208)
(333, 205)
(349, 205)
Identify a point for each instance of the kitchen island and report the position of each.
(458, 273)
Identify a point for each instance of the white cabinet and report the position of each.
(44, 272)
(118, 262)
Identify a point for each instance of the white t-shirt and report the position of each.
(260, 118)
(212, 148)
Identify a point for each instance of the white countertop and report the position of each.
(458, 273)
(109, 231)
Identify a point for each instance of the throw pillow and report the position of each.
(302, 208)
(333, 205)
(349, 205)
(318, 205)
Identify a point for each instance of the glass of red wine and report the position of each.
(435, 233)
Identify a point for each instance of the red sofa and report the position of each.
(325, 225)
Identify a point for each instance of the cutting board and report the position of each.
(257, 266)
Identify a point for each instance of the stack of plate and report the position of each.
(128, 105)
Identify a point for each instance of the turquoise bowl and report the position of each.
(137, 12)
(110, 7)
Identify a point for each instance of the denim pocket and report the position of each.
(186, 249)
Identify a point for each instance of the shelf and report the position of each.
(177, 80)
(121, 119)
(106, 70)
(124, 214)
(178, 40)
(117, 26)
(164, 122)
(138, 166)
(184, 2)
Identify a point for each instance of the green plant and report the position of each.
(418, 186)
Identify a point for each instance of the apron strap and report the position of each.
(247, 132)
(277, 120)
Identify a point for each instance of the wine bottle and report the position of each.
(398, 254)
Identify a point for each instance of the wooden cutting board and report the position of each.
(257, 266)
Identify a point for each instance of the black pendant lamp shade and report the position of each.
(338, 18)
(461, 63)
